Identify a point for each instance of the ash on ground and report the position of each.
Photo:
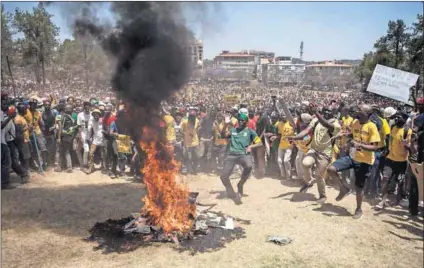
(211, 231)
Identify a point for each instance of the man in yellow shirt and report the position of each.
(220, 144)
(190, 130)
(365, 140)
(169, 128)
(23, 142)
(373, 184)
(302, 145)
(34, 119)
(285, 130)
(396, 160)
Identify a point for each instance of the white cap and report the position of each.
(389, 111)
(244, 111)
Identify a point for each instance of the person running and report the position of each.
(365, 141)
(242, 140)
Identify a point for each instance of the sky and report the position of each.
(329, 30)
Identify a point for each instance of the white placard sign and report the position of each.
(392, 83)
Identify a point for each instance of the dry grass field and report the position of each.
(44, 224)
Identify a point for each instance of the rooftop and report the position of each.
(330, 64)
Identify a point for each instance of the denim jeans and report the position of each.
(373, 184)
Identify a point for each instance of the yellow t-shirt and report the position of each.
(169, 128)
(347, 121)
(365, 134)
(20, 120)
(397, 152)
(218, 139)
(33, 120)
(234, 121)
(384, 131)
(303, 144)
(191, 137)
(285, 130)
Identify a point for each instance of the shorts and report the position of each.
(394, 168)
(362, 170)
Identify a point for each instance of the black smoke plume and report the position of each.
(149, 47)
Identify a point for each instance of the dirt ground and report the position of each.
(44, 224)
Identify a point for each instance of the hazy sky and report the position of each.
(329, 30)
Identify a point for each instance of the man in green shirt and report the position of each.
(241, 141)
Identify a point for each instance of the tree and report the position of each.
(39, 37)
(394, 41)
(415, 52)
(6, 41)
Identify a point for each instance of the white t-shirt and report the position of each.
(83, 120)
(96, 127)
(8, 132)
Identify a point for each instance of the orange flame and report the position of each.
(167, 202)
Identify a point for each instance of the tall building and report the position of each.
(195, 50)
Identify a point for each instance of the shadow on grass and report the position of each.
(335, 210)
(414, 230)
(296, 197)
(68, 210)
(215, 240)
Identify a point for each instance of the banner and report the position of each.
(124, 144)
(255, 103)
(392, 83)
(231, 99)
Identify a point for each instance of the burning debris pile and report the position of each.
(210, 231)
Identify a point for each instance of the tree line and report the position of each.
(31, 49)
(402, 47)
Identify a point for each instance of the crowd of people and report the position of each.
(356, 142)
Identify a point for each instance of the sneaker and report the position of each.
(358, 214)
(322, 200)
(305, 187)
(87, 171)
(343, 193)
(381, 205)
(69, 170)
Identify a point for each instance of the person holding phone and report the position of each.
(241, 142)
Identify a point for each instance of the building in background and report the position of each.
(195, 51)
(281, 71)
(237, 65)
(329, 74)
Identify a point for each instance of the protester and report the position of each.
(361, 158)
(241, 140)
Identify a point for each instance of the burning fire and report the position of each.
(167, 202)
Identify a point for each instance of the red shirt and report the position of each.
(251, 124)
(109, 120)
